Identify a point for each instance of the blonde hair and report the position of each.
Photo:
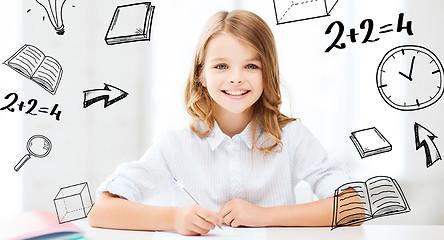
(252, 30)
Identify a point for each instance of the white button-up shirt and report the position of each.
(217, 169)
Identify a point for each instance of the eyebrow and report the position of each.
(224, 59)
(254, 59)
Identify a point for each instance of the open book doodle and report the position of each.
(33, 64)
(298, 10)
(370, 142)
(379, 196)
(130, 23)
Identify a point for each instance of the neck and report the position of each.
(233, 123)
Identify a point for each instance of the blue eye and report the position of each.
(251, 66)
(221, 66)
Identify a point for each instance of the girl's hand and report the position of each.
(239, 212)
(195, 220)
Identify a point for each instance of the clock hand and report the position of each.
(411, 68)
(408, 77)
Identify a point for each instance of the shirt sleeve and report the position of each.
(139, 180)
(311, 163)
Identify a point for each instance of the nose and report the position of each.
(236, 77)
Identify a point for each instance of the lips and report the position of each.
(236, 93)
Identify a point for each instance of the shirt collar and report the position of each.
(216, 137)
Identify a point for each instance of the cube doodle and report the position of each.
(298, 10)
(73, 202)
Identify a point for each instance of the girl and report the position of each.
(241, 157)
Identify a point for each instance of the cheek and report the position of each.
(210, 85)
(213, 89)
(259, 87)
(259, 84)
(213, 80)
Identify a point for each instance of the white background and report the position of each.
(333, 93)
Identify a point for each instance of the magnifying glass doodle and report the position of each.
(38, 146)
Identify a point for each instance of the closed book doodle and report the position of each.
(130, 23)
(369, 142)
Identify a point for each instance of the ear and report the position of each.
(202, 79)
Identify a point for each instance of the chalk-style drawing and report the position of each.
(73, 202)
(370, 142)
(28, 108)
(424, 138)
(130, 23)
(33, 64)
(38, 146)
(367, 26)
(298, 10)
(379, 196)
(54, 10)
(409, 78)
(109, 94)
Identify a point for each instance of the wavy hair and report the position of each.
(252, 30)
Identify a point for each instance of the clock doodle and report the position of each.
(409, 78)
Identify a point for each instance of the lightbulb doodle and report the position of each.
(33, 64)
(54, 9)
(37, 146)
(410, 77)
(288, 11)
(425, 138)
(109, 94)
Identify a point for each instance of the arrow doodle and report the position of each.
(424, 138)
(109, 93)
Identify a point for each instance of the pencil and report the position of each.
(185, 190)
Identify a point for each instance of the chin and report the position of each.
(237, 110)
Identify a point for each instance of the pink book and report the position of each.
(40, 225)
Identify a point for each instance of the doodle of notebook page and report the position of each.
(130, 23)
(298, 10)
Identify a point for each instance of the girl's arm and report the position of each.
(111, 211)
(314, 214)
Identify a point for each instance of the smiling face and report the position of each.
(232, 74)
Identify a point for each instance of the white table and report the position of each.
(373, 232)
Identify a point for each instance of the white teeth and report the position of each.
(235, 93)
